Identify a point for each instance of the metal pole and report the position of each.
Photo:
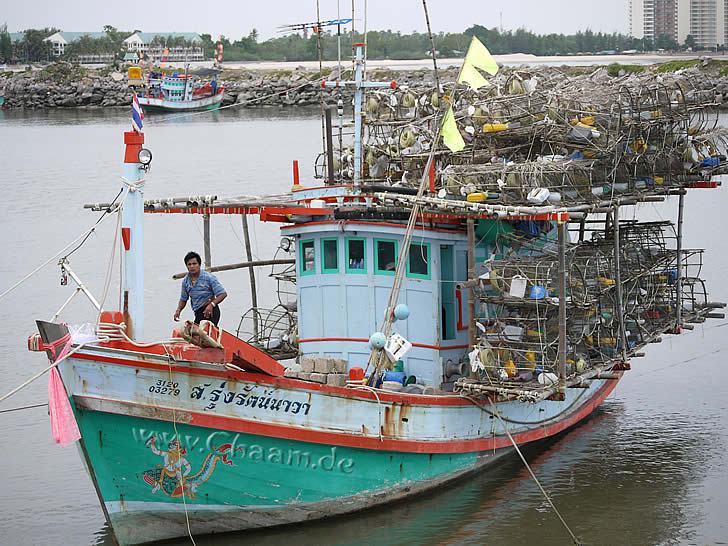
(562, 300)
(58, 313)
(206, 237)
(619, 310)
(251, 271)
(359, 64)
(678, 305)
(81, 286)
(471, 275)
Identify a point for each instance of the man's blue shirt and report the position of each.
(206, 288)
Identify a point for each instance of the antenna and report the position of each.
(315, 26)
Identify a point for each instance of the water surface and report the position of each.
(647, 468)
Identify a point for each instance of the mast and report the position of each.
(360, 85)
(132, 222)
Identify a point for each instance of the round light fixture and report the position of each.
(145, 156)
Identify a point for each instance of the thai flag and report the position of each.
(137, 116)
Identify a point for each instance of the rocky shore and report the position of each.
(64, 85)
(67, 86)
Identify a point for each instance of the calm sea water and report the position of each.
(648, 468)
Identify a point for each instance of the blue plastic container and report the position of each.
(538, 292)
(399, 377)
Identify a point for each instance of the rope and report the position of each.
(112, 256)
(528, 467)
(133, 185)
(170, 358)
(24, 407)
(110, 331)
(518, 422)
(379, 405)
(49, 260)
(39, 374)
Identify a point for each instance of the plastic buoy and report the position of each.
(401, 311)
(377, 340)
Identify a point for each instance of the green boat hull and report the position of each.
(226, 481)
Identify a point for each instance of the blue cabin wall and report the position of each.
(339, 309)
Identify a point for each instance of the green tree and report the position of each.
(690, 42)
(665, 42)
(6, 44)
(33, 46)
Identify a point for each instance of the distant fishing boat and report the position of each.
(179, 92)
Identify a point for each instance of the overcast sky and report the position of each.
(236, 18)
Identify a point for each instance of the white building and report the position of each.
(142, 42)
(704, 20)
(137, 42)
(61, 39)
(707, 22)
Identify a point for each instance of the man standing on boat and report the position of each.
(203, 289)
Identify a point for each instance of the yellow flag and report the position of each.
(450, 134)
(470, 75)
(479, 56)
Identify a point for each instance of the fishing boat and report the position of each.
(463, 285)
(179, 92)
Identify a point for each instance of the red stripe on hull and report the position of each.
(231, 424)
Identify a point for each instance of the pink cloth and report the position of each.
(63, 423)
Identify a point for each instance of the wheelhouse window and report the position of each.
(385, 256)
(308, 263)
(356, 255)
(329, 255)
(418, 261)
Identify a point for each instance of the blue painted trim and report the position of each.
(377, 270)
(429, 261)
(302, 263)
(348, 269)
(324, 269)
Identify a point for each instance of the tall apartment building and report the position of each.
(653, 18)
(708, 22)
(705, 20)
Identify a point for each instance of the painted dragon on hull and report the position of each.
(173, 476)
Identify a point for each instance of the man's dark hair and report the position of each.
(191, 255)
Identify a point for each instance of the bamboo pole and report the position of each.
(562, 300)
(678, 306)
(256, 263)
(251, 272)
(618, 282)
(329, 148)
(471, 274)
(537, 395)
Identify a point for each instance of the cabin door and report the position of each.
(448, 311)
